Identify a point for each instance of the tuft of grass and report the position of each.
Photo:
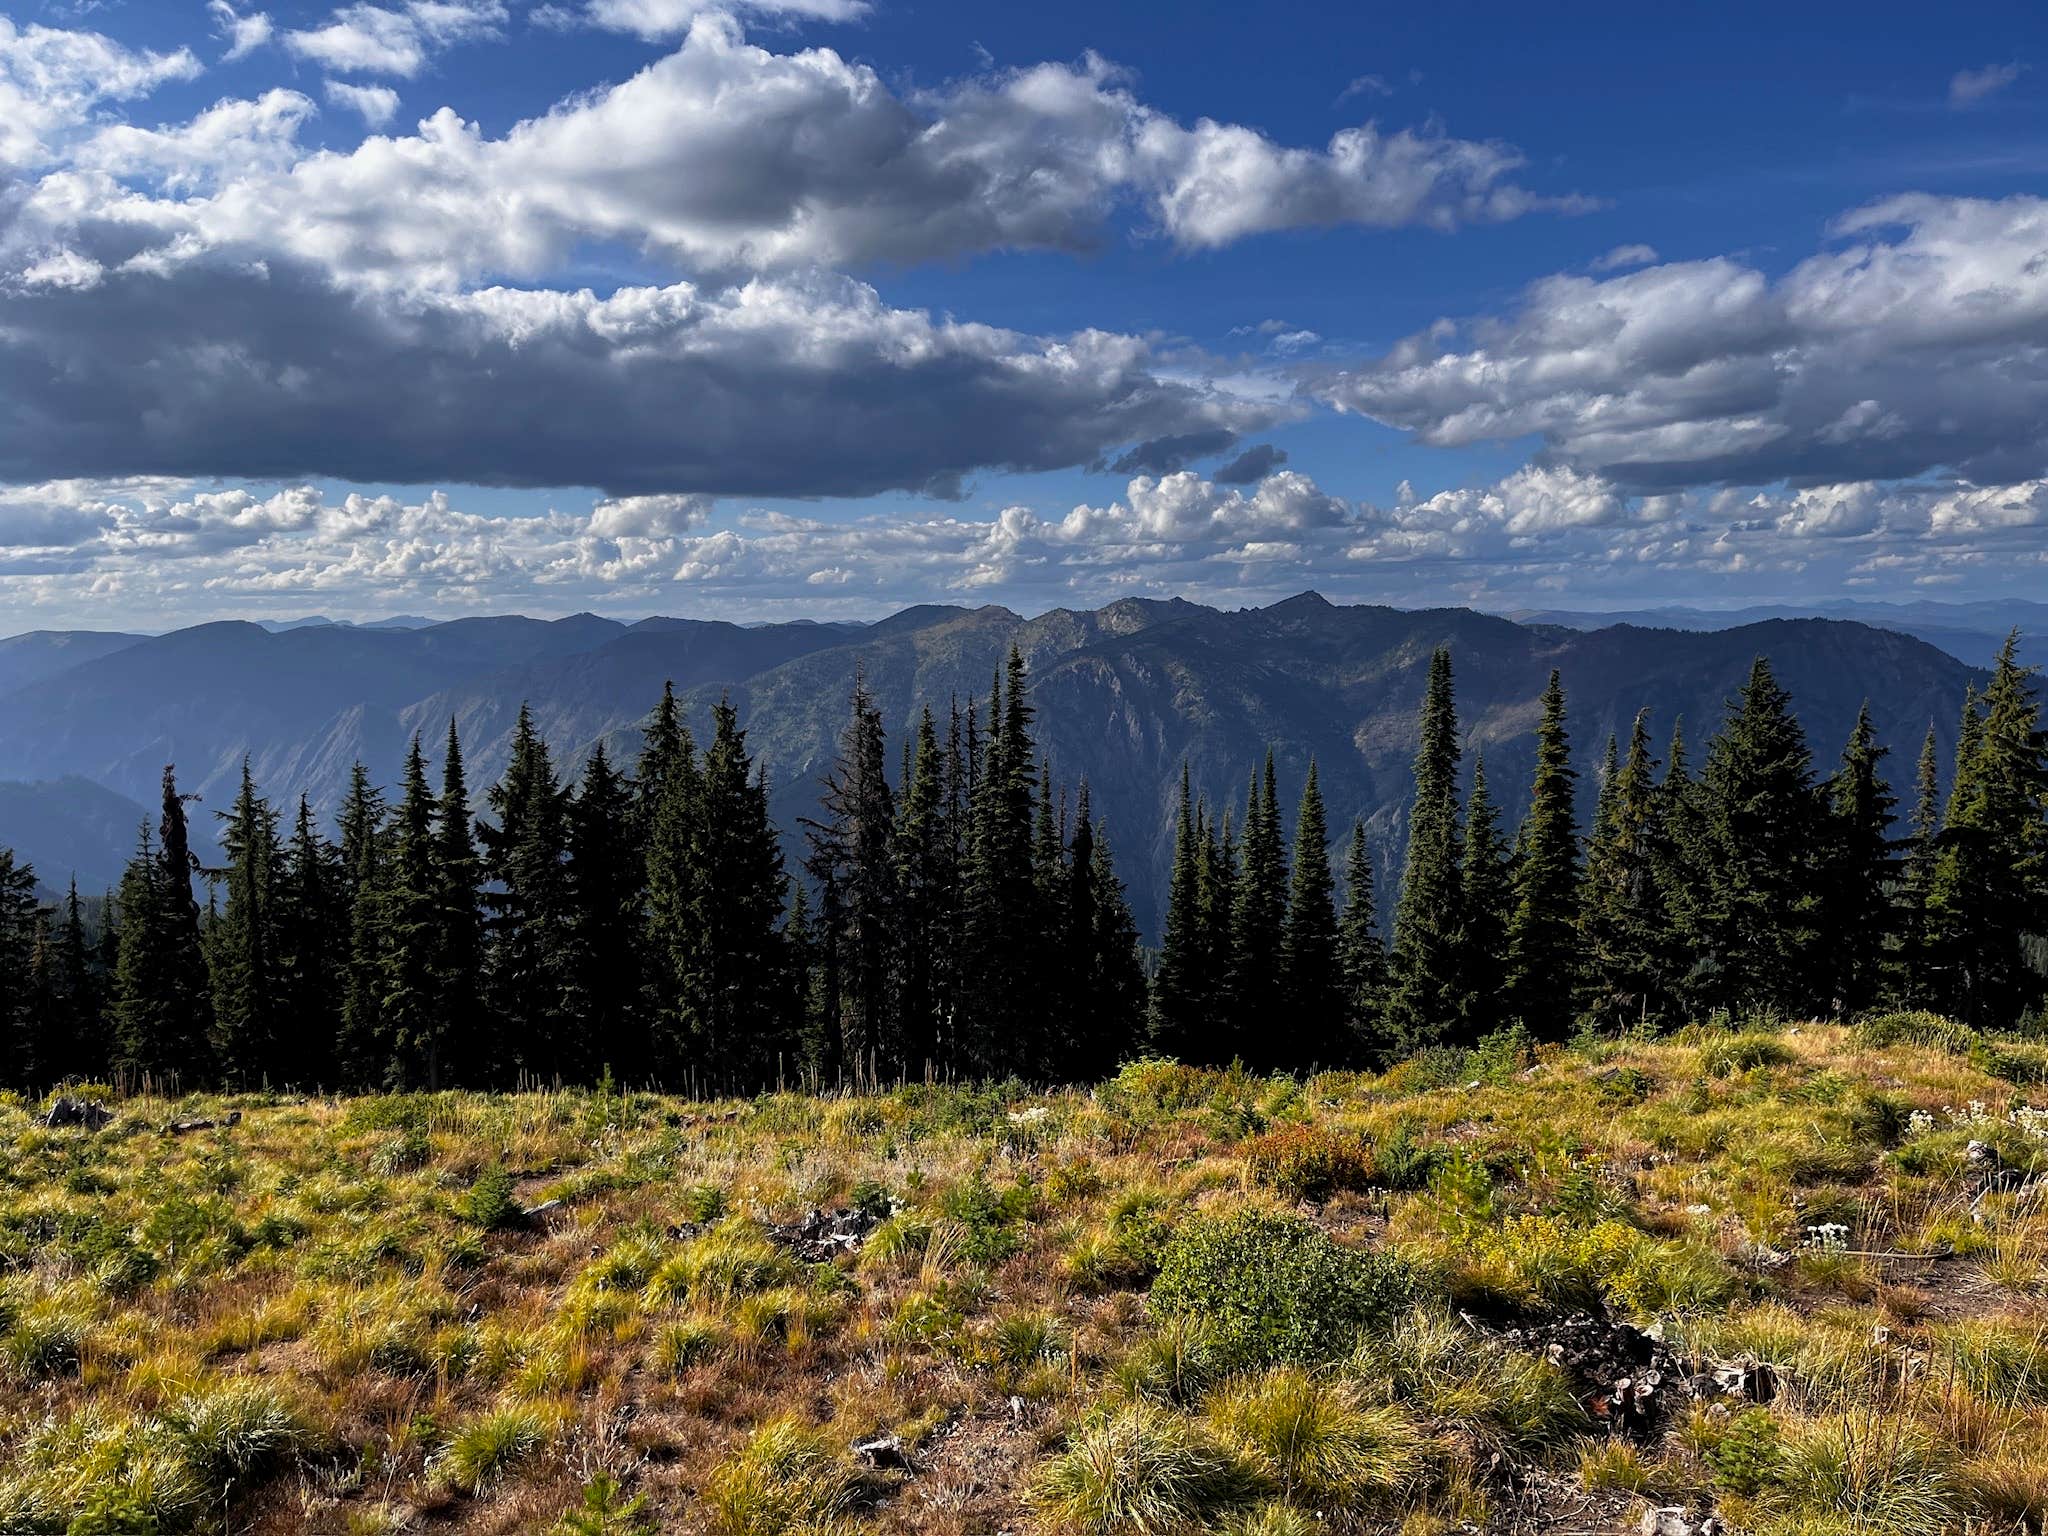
(784, 1480)
(238, 1428)
(1141, 1471)
(1311, 1441)
(486, 1449)
(1613, 1466)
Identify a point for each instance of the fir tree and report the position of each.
(458, 959)
(242, 946)
(1989, 889)
(1003, 1027)
(1180, 984)
(1632, 965)
(1311, 970)
(1361, 957)
(1422, 994)
(20, 932)
(606, 878)
(1915, 962)
(409, 939)
(1258, 924)
(161, 1004)
(925, 883)
(1486, 897)
(1542, 931)
(362, 1045)
(1858, 919)
(729, 981)
(1760, 842)
(527, 949)
(852, 858)
(312, 923)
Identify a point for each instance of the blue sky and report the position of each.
(824, 307)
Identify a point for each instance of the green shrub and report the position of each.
(1500, 1057)
(489, 1203)
(1748, 1455)
(989, 1221)
(1277, 1290)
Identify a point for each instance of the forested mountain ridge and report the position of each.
(1125, 693)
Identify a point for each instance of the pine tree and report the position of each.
(1989, 889)
(1633, 963)
(409, 941)
(242, 947)
(1003, 1028)
(1542, 932)
(72, 1041)
(852, 858)
(606, 877)
(1422, 995)
(1858, 918)
(1181, 982)
(20, 930)
(924, 879)
(1915, 963)
(1258, 924)
(161, 1005)
(670, 802)
(731, 975)
(1486, 897)
(1102, 942)
(1312, 977)
(1761, 839)
(362, 1045)
(1361, 957)
(458, 961)
(312, 922)
(527, 949)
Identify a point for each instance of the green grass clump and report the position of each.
(785, 1481)
(1138, 1472)
(1916, 1027)
(1276, 1289)
(485, 1450)
(1310, 1441)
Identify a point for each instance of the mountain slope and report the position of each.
(1124, 695)
(42, 653)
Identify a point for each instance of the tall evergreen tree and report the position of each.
(1312, 976)
(312, 928)
(528, 952)
(1761, 839)
(1003, 1028)
(161, 1004)
(730, 982)
(1632, 966)
(1542, 952)
(1989, 890)
(606, 878)
(242, 947)
(925, 879)
(1422, 995)
(362, 1046)
(1858, 916)
(458, 902)
(409, 947)
(1258, 924)
(1102, 940)
(1362, 958)
(852, 858)
(1486, 898)
(1915, 963)
(1181, 982)
(20, 933)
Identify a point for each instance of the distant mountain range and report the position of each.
(1971, 632)
(1124, 694)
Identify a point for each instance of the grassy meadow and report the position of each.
(1182, 1301)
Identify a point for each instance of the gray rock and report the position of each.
(67, 1111)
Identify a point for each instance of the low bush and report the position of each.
(1276, 1289)
(1916, 1027)
(1308, 1162)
